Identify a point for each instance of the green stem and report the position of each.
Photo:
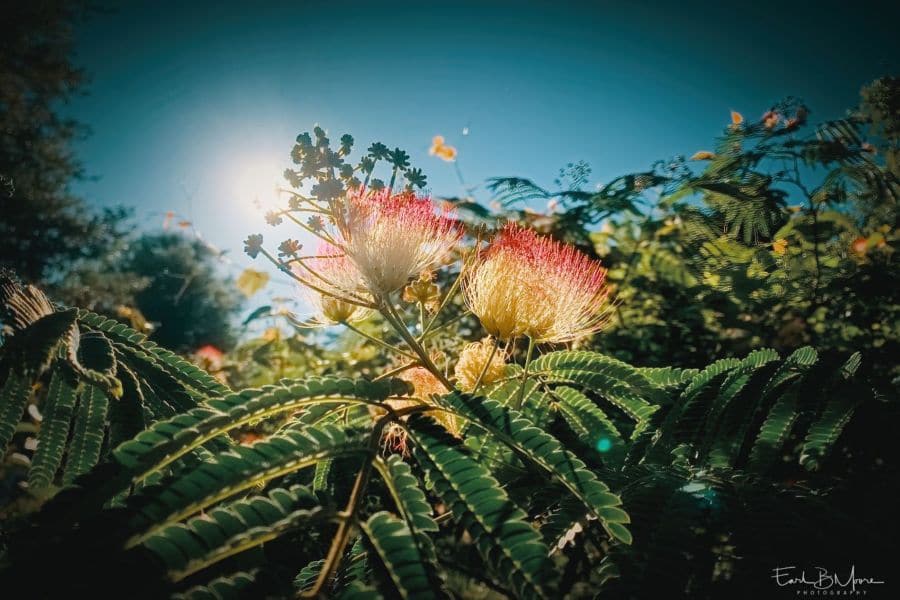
(322, 236)
(487, 364)
(397, 323)
(342, 536)
(444, 302)
(381, 343)
(421, 320)
(528, 354)
(443, 325)
(399, 369)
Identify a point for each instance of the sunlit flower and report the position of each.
(472, 361)
(703, 155)
(332, 271)
(528, 285)
(210, 357)
(736, 119)
(425, 387)
(779, 246)
(248, 438)
(423, 291)
(392, 237)
(770, 119)
(860, 245)
(441, 149)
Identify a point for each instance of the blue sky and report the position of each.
(194, 106)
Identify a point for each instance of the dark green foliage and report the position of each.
(91, 379)
(176, 502)
(13, 397)
(88, 432)
(590, 423)
(46, 231)
(397, 551)
(576, 475)
(59, 413)
(202, 541)
(534, 446)
(512, 548)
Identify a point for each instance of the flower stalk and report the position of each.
(528, 356)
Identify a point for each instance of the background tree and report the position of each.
(784, 236)
(186, 298)
(84, 256)
(46, 230)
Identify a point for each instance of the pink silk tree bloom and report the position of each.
(392, 237)
(525, 284)
(340, 286)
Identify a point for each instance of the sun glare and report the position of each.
(255, 185)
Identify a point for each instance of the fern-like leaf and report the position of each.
(231, 529)
(13, 398)
(230, 587)
(169, 440)
(540, 449)
(512, 548)
(88, 433)
(59, 411)
(399, 553)
(591, 424)
(233, 471)
(185, 372)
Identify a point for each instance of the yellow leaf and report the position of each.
(703, 155)
(736, 118)
(251, 281)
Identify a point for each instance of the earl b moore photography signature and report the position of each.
(819, 581)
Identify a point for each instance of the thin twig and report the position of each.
(487, 364)
(381, 343)
(521, 396)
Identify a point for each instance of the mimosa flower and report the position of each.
(528, 285)
(860, 245)
(442, 150)
(472, 362)
(392, 237)
(210, 357)
(423, 291)
(425, 387)
(332, 271)
(770, 119)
